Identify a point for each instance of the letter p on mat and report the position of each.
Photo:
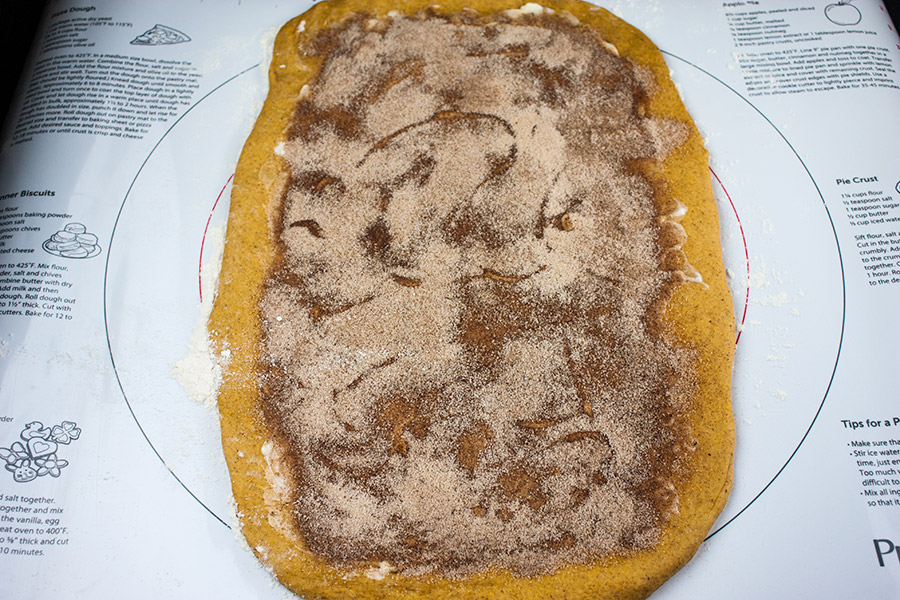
(883, 548)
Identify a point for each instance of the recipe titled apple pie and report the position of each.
(473, 293)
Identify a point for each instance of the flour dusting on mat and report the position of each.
(199, 372)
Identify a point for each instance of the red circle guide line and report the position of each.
(746, 255)
(205, 229)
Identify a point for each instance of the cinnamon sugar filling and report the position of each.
(461, 348)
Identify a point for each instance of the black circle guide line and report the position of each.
(669, 54)
(106, 281)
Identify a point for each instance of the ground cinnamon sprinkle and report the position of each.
(458, 335)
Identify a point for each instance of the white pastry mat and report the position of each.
(112, 185)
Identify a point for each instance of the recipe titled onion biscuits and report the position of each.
(480, 337)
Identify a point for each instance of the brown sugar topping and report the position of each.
(460, 349)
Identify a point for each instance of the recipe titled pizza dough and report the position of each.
(480, 337)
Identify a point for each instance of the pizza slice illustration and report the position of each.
(159, 35)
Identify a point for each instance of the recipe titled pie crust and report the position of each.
(480, 336)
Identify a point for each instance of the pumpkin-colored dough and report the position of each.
(475, 286)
